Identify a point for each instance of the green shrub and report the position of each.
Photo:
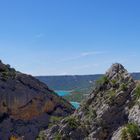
(91, 113)
(130, 132)
(5, 75)
(41, 136)
(113, 82)
(123, 87)
(111, 95)
(73, 123)
(124, 135)
(133, 130)
(137, 92)
(103, 80)
(58, 136)
(54, 120)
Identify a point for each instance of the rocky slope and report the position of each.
(26, 105)
(111, 112)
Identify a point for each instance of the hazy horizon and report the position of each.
(74, 37)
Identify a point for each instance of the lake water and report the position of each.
(75, 104)
(64, 93)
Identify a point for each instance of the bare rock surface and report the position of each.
(105, 113)
(26, 105)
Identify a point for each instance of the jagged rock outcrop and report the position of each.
(106, 113)
(26, 105)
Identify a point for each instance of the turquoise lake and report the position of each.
(64, 93)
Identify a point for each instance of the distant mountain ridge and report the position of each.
(70, 82)
(136, 75)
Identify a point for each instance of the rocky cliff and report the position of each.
(26, 105)
(111, 112)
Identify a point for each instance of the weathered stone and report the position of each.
(134, 114)
(107, 109)
(26, 105)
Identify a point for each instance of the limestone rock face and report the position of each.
(105, 112)
(26, 104)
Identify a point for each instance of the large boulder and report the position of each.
(26, 105)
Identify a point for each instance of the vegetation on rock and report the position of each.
(104, 111)
(54, 120)
(72, 122)
(111, 96)
(58, 136)
(41, 136)
(103, 80)
(130, 132)
(137, 92)
(123, 87)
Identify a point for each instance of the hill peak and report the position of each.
(116, 68)
(105, 111)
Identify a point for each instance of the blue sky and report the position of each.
(56, 37)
